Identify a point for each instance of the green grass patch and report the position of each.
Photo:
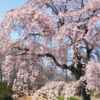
(60, 97)
(5, 91)
(73, 98)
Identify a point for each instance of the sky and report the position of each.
(6, 5)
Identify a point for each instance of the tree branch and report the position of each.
(52, 6)
(72, 68)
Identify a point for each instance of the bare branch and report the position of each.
(52, 6)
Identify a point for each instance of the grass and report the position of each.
(69, 98)
(60, 98)
(73, 98)
(5, 91)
